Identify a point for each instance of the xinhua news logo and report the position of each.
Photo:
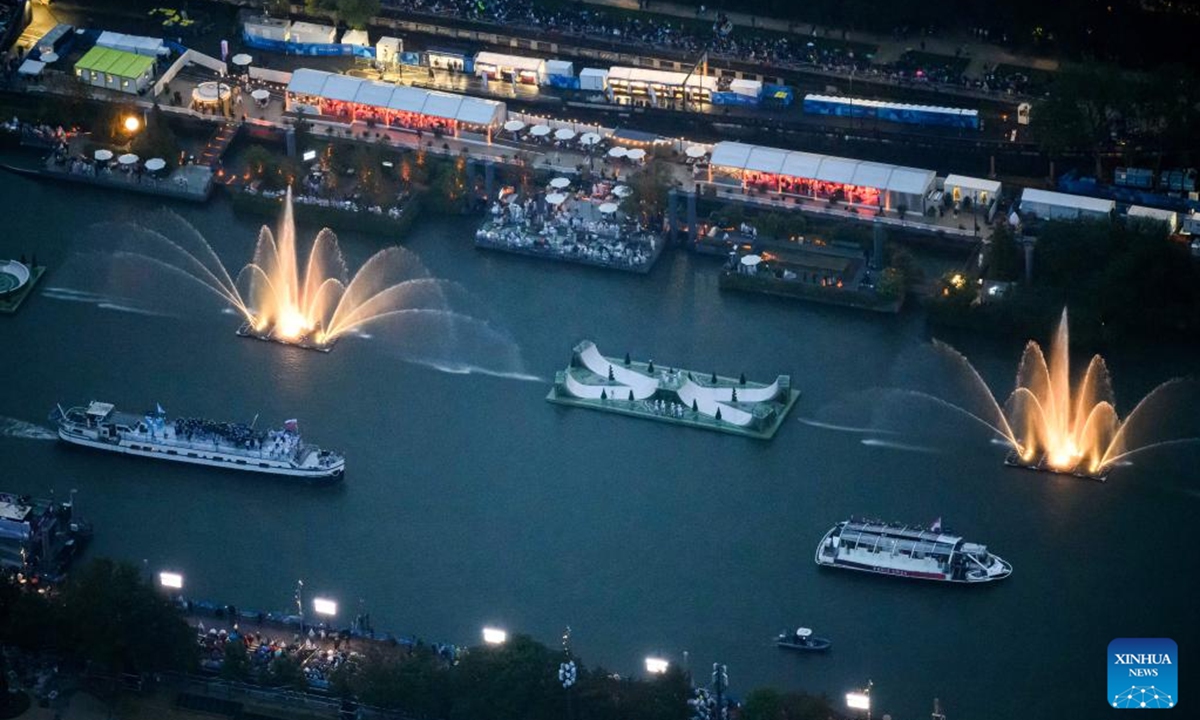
(1143, 674)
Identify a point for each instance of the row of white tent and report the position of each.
(306, 83)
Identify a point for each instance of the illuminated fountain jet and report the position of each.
(1051, 426)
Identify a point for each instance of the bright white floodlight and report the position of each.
(656, 666)
(170, 580)
(322, 606)
(494, 636)
(858, 701)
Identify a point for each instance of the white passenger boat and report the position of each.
(908, 551)
(236, 446)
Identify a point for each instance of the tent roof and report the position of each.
(31, 67)
(341, 87)
(1079, 202)
(403, 98)
(377, 94)
(661, 77)
(826, 168)
(514, 61)
(307, 82)
(972, 183)
(475, 111)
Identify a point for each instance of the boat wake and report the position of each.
(845, 428)
(104, 302)
(476, 370)
(876, 442)
(14, 428)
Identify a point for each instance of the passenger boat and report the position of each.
(802, 639)
(908, 551)
(236, 446)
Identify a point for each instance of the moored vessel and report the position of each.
(802, 639)
(909, 551)
(198, 441)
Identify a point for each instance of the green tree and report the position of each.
(513, 681)
(120, 623)
(285, 671)
(357, 13)
(1079, 113)
(763, 704)
(649, 197)
(1004, 255)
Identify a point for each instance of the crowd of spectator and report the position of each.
(807, 48)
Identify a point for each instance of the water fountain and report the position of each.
(1051, 426)
(161, 265)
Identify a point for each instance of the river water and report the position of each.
(470, 500)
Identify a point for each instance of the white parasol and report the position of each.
(556, 198)
(155, 164)
(636, 154)
(589, 139)
(103, 155)
(617, 152)
(540, 130)
(514, 126)
(241, 59)
(128, 159)
(607, 208)
(560, 183)
(261, 95)
(696, 151)
(564, 134)
(49, 57)
(622, 191)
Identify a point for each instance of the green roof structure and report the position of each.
(117, 63)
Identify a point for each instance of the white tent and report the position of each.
(31, 67)
(356, 37)
(978, 189)
(1062, 206)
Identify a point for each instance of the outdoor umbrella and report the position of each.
(556, 198)
(103, 155)
(155, 164)
(696, 151)
(128, 159)
(564, 134)
(607, 208)
(261, 95)
(241, 59)
(514, 126)
(617, 152)
(560, 183)
(622, 191)
(636, 154)
(540, 130)
(589, 139)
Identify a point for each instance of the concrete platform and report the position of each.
(12, 303)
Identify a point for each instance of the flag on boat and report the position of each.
(936, 526)
(291, 425)
(158, 406)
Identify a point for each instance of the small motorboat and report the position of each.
(802, 639)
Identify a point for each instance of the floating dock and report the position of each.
(1013, 459)
(675, 395)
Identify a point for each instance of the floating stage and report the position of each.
(675, 395)
(1013, 459)
(304, 341)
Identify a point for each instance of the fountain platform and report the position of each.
(674, 395)
(304, 342)
(1013, 459)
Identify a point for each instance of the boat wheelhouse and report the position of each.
(908, 551)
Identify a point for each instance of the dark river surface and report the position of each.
(470, 500)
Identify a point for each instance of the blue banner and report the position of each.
(310, 49)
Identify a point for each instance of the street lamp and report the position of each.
(656, 666)
(324, 606)
(132, 124)
(170, 580)
(494, 636)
